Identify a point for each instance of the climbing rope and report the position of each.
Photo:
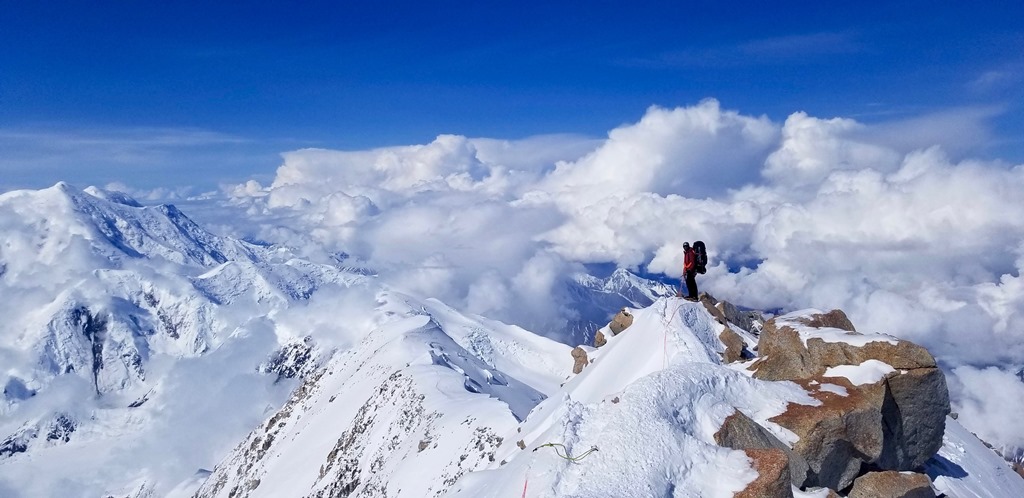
(566, 455)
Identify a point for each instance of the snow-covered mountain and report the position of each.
(145, 356)
(595, 299)
(124, 324)
(107, 306)
(436, 403)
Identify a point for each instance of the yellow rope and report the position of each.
(567, 456)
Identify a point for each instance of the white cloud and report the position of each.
(988, 402)
(697, 151)
(877, 219)
(813, 148)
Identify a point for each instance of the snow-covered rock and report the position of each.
(892, 484)
(886, 412)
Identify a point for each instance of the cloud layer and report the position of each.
(892, 222)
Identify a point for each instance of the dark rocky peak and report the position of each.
(298, 358)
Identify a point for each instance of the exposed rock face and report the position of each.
(710, 304)
(772, 480)
(295, 359)
(599, 339)
(622, 320)
(744, 319)
(784, 356)
(579, 356)
(833, 319)
(895, 423)
(726, 313)
(836, 437)
(733, 345)
(892, 484)
(740, 432)
(53, 431)
(915, 410)
(873, 425)
(17, 442)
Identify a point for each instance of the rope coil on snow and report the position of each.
(567, 456)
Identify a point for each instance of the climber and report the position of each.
(689, 272)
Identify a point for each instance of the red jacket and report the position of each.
(689, 261)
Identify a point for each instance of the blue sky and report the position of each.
(195, 94)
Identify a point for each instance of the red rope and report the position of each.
(525, 483)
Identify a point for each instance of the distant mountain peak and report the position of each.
(113, 196)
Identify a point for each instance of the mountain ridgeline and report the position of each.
(145, 356)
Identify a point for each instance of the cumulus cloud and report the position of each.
(891, 222)
(695, 151)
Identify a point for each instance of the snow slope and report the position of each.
(966, 468)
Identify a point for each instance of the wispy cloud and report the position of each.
(806, 45)
(762, 51)
(117, 138)
(147, 156)
(999, 79)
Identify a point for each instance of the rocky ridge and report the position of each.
(881, 408)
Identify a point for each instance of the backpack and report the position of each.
(701, 254)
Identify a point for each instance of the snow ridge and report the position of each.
(406, 412)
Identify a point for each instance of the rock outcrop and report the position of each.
(786, 354)
(892, 484)
(621, 321)
(740, 432)
(711, 305)
(882, 401)
(745, 319)
(726, 313)
(772, 475)
(734, 345)
(579, 357)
